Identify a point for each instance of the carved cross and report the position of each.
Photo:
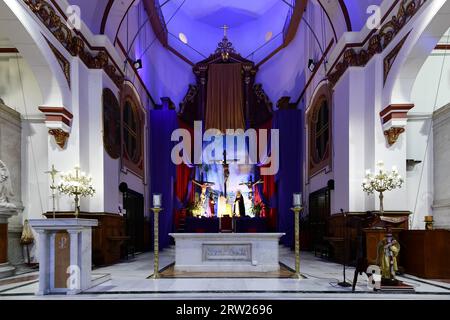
(225, 29)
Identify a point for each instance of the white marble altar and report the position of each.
(227, 252)
(80, 247)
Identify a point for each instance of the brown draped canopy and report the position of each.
(224, 102)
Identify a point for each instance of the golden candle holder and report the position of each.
(428, 222)
(297, 211)
(156, 212)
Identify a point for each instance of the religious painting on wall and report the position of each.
(111, 124)
(133, 124)
(319, 130)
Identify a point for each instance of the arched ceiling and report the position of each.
(256, 26)
(251, 23)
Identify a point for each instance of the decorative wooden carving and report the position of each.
(392, 134)
(168, 103)
(225, 48)
(73, 42)
(189, 104)
(59, 121)
(63, 62)
(257, 105)
(394, 119)
(285, 103)
(390, 58)
(60, 136)
(378, 41)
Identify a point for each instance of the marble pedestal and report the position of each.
(6, 269)
(65, 255)
(227, 252)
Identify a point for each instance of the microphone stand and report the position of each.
(344, 283)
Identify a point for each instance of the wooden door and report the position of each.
(319, 212)
(134, 205)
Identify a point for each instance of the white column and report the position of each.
(44, 262)
(74, 283)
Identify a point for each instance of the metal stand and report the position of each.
(297, 211)
(344, 283)
(156, 212)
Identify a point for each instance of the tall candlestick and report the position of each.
(157, 200)
(297, 199)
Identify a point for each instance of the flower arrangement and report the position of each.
(258, 208)
(381, 181)
(195, 208)
(76, 184)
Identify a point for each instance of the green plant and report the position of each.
(257, 208)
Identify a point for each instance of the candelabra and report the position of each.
(381, 181)
(76, 184)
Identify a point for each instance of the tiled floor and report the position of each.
(129, 280)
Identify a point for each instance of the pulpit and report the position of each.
(65, 260)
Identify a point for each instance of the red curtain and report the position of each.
(183, 184)
(268, 188)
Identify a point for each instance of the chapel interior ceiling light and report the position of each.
(269, 36)
(137, 64)
(183, 38)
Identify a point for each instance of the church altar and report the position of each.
(227, 252)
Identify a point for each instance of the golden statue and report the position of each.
(387, 252)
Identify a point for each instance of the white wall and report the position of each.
(164, 74)
(427, 97)
(287, 73)
(34, 133)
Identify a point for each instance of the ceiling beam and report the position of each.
(157, 21)
(299, 9)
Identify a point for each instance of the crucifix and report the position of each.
(226, 170)
(53, 187)
(251, 185)
(204, 185)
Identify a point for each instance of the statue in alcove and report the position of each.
(6, 191)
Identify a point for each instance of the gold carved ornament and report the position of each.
(392, 134)
(60, 136)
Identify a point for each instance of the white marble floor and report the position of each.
(129, 280)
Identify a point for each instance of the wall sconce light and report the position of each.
(311, 65)
(137, 64)
(411, 163)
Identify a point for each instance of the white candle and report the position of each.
(157, 200)
(297, 199)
